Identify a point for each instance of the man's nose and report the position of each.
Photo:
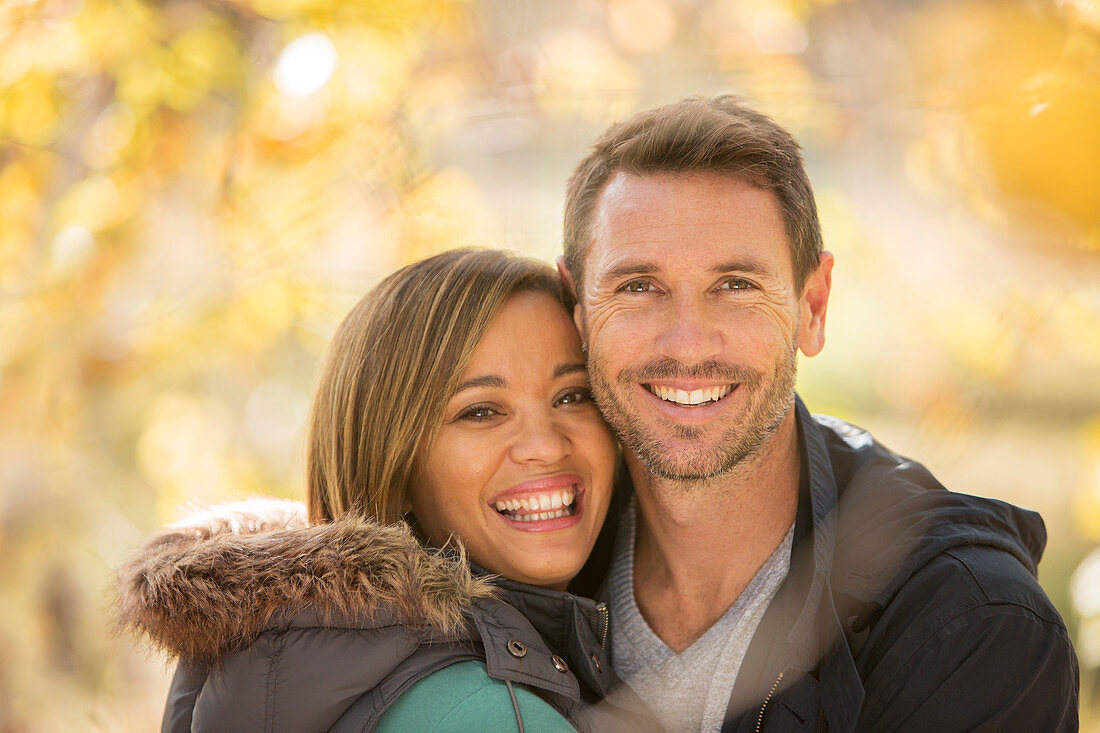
(539, 439)
(689, 334)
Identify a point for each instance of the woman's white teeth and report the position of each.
(550, 505)
(694, 397)
(539, 516)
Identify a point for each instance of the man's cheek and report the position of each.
(618, 320)
(783, 318)
(592, 323)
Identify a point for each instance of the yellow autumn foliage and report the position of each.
(193, 192)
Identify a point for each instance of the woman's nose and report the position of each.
(540, 440)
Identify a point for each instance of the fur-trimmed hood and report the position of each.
(213, 582)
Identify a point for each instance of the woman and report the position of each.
(453, 396)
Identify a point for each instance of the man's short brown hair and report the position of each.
(719, 134)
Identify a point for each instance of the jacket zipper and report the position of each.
(602, 608)
(764, 705)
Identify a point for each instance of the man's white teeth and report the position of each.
(694, 397)
(550, 505)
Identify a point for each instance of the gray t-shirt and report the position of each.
(688, 691)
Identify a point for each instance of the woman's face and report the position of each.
(522, 467)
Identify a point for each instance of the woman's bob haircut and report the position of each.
(392, 366)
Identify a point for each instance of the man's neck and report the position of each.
(697, 546)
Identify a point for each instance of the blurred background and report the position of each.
(193, 193)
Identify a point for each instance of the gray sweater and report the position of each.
(688, 691)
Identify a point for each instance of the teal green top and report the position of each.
(463, 697)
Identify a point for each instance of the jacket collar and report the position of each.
(546, 622)
(823, 499)
(801, 630)
(563, 654)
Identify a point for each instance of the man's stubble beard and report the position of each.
(740, 442)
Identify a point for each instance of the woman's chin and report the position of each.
(559, 583)
(552, 577)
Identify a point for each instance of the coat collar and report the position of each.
(801, 630)
(821, 486)
(546, 622)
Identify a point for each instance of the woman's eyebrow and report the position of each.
(571, 368)
(488, 380)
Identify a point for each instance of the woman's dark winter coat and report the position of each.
(281, 626)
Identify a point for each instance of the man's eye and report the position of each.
(477, 413)
(638, 286)
(737, 283)
(574, 397)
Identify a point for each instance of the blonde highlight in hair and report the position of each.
(390, 369)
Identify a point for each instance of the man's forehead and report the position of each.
(722, 220)
(628, 190)
(643, 188)
(615, 263)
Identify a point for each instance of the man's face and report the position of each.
(692, 319)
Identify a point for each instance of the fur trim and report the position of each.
(212, 583)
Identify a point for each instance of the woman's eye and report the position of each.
(477, 413)
(574, 397)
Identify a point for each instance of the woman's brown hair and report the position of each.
(392, 366)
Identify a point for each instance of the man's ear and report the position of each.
(569, 284)
(813, 304)
(566, 277)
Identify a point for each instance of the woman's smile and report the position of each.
(539, 504)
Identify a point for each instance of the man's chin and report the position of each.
(674, 461)
(690, 454)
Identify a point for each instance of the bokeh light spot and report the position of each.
(306, 65)
(71, 248)
(1085, 586)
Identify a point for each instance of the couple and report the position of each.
(753, 568)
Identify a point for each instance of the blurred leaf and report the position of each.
(30, 111)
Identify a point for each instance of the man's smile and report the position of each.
(686, 397)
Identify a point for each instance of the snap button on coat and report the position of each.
(559, 664)
(517, 648)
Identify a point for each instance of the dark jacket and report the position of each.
(907, 607)
(279, 626)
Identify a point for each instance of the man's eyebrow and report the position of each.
(748, 266)
(632, 268)
(648, 268)
(563, 369)
(488, 380)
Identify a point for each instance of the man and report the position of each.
(772, 570)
